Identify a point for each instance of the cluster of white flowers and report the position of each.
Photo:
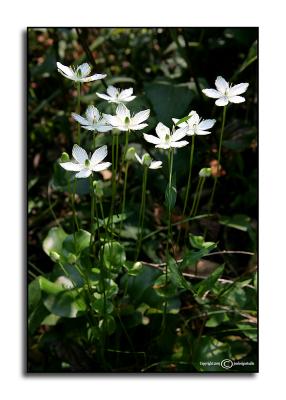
(125, 122)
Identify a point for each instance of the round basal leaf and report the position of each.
(54, 241)
(61, 301)
(108, 324)
(109, 287)
(164, 288)
(100, 305)
(77, 242)
(114, 255)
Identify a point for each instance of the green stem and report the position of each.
(142, 212)
(199, 195)
(114, 156)
(219, 156)
(72, 195)
(78, 110)
(124, 194)
(190, 175)
(196, 196)
(170, 163)
(92, 210)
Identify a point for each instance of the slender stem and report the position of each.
(219, 156)
(125, 145)
(190, 175)
(196, 196)
(78, 110)
(124, 194)
(72, 195)
(199, 195)
(170, 163)
(92, 210)
(114, 151)
(142, 212)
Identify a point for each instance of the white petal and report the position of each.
(84, 69)
(175, 120)
(236, 99)
(222, 101)
(179, 144)
(128, 99)
(200, 132)
(92, 78)
(179, 134)
(112, 120)
(238, 89)
(221, 84)
(99, 155)
(101, 166)
(206, 124)
(126, 93)
(151, 139)
(162, 130)
(214, 94)
(194, 120)
(92, 114)
(80, 119)
(112, 91)
(140, 117)
(138, 159)
(122, 112)
(103, 96)
(163, 146)
(85, 173)
(156, 164)
(79, 154)
(65, 70)
(101, 127)
(70, 166)
(137, 127)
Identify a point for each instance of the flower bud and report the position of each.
(71, 259)
(130, 154)
(55, 256)
(146, 160)
(65, 157)
(205, 172)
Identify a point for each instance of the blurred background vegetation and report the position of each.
(168, 68)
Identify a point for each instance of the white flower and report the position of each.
(226, 93)
(165, 139)
(78, 74)
(195, 125)
(85, 165)
(124, 122)
(116, 96)
(92, 120)
(147, 161)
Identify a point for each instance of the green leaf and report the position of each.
(108, 324)
(208, 284)
(163, 287)
(114, 255)
(209, 353)
(36, 309)
(183, 120)
(54, 241)
(240, 222)
(176, 276)
(77, 242)
(199, 243)
(251, 57)
(168, 100)
(249, 330)
(170, 196)
(61, 301)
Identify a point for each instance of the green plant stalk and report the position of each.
(219, 157)
(190, 175)
(124, 194)
(142, 212)
(72, 195)
(94, 140)
(92, 210)
(199, 194)
(196, 196)
(78, 110)
(114, 172)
